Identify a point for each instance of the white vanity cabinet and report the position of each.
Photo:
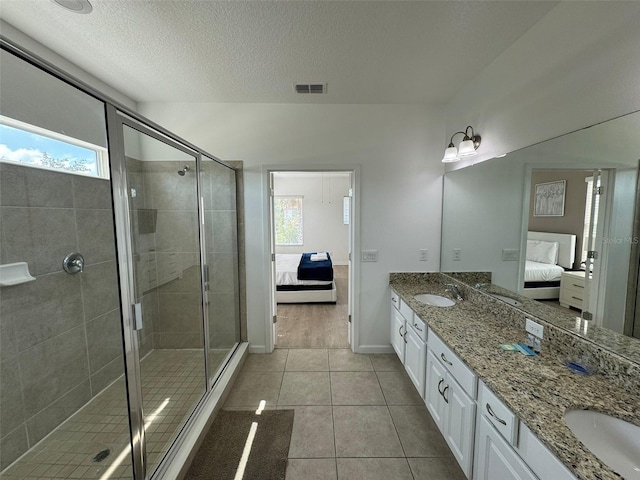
(495, 459)
(415, 353)
(409, 340)
(397, 332)
(450, 394)
(506, 449)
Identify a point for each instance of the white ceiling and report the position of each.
(253, 51)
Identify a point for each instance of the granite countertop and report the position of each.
(537, 389)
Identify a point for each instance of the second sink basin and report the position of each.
(434, 300)
(614, 441)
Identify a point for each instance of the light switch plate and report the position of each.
(510, 255)
(369, 255)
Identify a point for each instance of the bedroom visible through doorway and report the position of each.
(311, 236)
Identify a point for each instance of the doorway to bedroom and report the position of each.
(311, 237)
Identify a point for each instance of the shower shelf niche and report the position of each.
(15, 274)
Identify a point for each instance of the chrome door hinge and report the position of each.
(598, 190)
(273, 257)
(592, 254)
(349, 318)
(275, 318)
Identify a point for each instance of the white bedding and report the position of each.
(541, 272)
(287, 270)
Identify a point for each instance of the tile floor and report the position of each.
(103, 423)
(357, 417)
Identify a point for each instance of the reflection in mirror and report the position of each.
(547, 189)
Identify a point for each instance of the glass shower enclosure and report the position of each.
(119, 280)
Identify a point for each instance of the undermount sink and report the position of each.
(434, 300)
(505, 299)
(615, 442)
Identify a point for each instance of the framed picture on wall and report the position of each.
(549, 199)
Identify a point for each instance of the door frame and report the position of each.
(354, 235)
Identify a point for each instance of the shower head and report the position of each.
(184, 170)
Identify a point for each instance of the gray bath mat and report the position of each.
(222, 448)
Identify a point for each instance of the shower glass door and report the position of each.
(221, 256)
(165, 291)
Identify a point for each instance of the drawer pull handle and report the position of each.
(576, 298)
(417, 327)
(446, 400)
(440, 383)
(444, 359)
(394, 300)
(400, 331)
(490, 410)
(576, 285)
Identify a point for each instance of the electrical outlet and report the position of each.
(369, 255)
(457, 254)
(534, 328)
(424, 255)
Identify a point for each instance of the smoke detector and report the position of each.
(310, 87)
(75, 6)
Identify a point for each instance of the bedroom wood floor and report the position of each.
(316, 325)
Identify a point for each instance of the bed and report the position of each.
(299, 280)
(548, 255)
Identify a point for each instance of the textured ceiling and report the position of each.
(242, 51)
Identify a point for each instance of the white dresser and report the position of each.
(572, 289)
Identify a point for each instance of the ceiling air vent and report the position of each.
(310, 87)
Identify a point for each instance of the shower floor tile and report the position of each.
(172, 383)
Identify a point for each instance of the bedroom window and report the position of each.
(36, 147)
(288, 220)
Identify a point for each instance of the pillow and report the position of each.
(542, 252)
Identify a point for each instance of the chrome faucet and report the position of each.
(450, 287)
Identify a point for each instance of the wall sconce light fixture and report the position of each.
(467, 147)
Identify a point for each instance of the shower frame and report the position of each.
(117, 116)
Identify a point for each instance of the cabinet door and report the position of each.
(397, 332)
(435, 379)
(460, 414)
(415, 359)
(496, 460)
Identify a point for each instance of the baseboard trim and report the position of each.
(372, 349)
(257, 348)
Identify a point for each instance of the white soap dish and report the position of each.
(15, 274)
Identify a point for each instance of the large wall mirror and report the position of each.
(548, 207)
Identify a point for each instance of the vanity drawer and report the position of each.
(500, 416)
(419, 327)
(406, 312)
(395, 299)
(463, 374)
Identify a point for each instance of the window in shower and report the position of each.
(36, 147)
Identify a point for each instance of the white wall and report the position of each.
(579, 65)
(322, 212)
(397, 149)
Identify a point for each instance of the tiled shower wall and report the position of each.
(171, 300)
(60, 335)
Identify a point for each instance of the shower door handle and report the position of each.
(137, 315)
